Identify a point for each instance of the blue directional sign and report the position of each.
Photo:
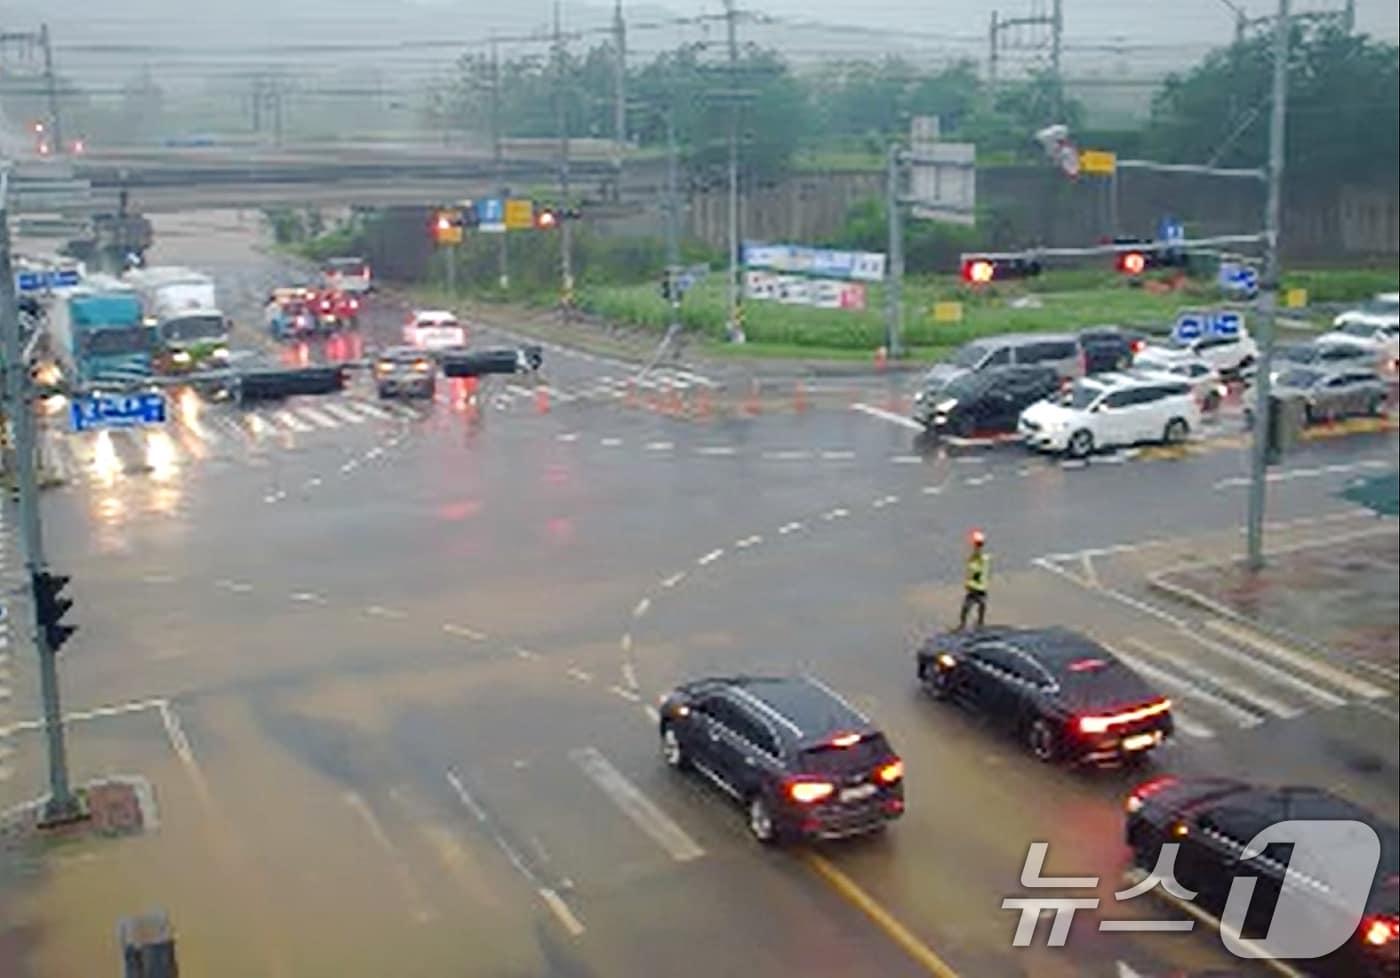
(117, 411)
(57, 278)
(1190, 326)
(1170, 230)
(1235, 277)
(1226, 324)
(491, 214)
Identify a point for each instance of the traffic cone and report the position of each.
(703, 407)
(674, 404)
(542, 399)
(752, 404)
(630, 399)
(799, 397)
(882, 357)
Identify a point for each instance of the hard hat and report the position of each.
(978, 538)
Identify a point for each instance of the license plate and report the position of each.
(857, 793)
(1139, 741)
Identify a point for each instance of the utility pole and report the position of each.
(619, 97)
(673, 231)
(62, 805)
(51, 85)
(1268, 292)
(1057, 26)
(732, 290)
(992, 60)
(566, 258)
(498, 164)
(894, 276)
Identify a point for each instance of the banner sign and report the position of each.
(799, 291)
(854, 266)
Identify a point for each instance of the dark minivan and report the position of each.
(985, 403)
(803, 762)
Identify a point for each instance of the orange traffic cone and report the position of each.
(799, 397)
(703, 407)
(751, 403)
(675, 406)
(542, 399)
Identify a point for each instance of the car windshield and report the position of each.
(1299, 353)
(964, 388)
(1362, 329)
(969, 356)
(1081, 396)
(108, 342)
(1382, 307)
(1299, 378)
(187, 328)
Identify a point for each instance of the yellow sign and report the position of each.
(1098, 161)
(520, 214)
(1295, 298)
(947, 312)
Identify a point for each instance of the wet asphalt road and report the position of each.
(408, 653)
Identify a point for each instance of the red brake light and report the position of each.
(1146, 790)
(890, 772)
(1378, 930)
(1138, 345)
(1086, 665)
(810, 792)
(845, 740)
(365, 274)
(1100, 724)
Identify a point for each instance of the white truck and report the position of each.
(192, 332)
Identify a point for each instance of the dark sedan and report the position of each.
(1066, 697)
(988, 402)
(1212, 821)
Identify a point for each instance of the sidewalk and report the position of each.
(1339, 596)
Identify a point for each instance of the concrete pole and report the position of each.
(673, 217)
(619, 97)
(1057, 26)
(992, 60)
(732, 286)
(51, 85)
(1268, 292)
(62, 805)
(566, 256)
(498, 162)
(894, 275)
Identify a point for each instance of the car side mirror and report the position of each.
(1096, 408)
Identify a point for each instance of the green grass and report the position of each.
(1342, 284)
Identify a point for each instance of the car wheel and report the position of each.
(935, 682)
(1040, 738)
(383, 393)
(1081, 443)
(671, 750)
(761, 821)
(964, 428)
(1175, 432)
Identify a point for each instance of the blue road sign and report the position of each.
(117, 411)
(1226, 324)
(1235, 277)
(1170, 230)
(51, 279)
(1190, 326)
(491, 214)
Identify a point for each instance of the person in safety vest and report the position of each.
(975, 582)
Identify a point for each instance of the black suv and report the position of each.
(803, 762)
(988, 402)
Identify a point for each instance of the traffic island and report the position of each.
(1336, 595)
(111, 807)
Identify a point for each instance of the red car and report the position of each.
(335, 310)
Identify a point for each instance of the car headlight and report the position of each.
(181, 356)
(946, 405)
(920, 397)
(220, 353)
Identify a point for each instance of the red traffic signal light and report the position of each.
(546, 219)
(978, 272)
(1132, 262)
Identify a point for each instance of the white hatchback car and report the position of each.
(1232, 355)
(1375, 326)
(434, 329)
(1112, 410)
(1206, 382)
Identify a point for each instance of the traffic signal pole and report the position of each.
(62, 805)
(894, 276)
(1268, 295)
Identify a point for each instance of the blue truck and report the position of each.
(98, 336)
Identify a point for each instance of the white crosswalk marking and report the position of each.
(319, 418)
(1328, 674)
(637, 806)
(1307, 688)
(343, 413)
(1237, 689)
(291, 421)
(368, 409)
(1172, 681)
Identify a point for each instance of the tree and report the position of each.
(1343, 107)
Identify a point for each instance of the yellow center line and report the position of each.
(880, 917)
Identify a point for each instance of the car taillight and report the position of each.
(1138, 345)
(1146, 790)
(890, 772)
(1101, 724)
(354, 303)
(845, 740)
(1379, 930)
(365, 274)
(809, 792)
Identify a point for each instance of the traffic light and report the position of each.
(447, 226)
(547, 218)
(51, 606)
(1135, 261)
(1132, 262)
(984, 269)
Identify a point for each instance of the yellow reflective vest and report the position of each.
(977, 571)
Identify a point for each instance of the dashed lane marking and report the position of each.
(747, 542)
(463, 631)
(379, 611)
(710, 557)
(787, 528)
(835, 514)
(573, 672)
(716, 450)
(641, 608)
(673, 580)
(660, 446)
(889, 416)
(838, 456)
